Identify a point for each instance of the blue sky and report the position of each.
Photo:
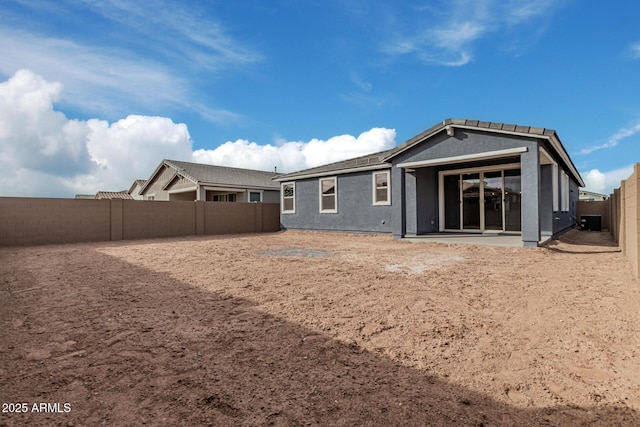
(93, 94)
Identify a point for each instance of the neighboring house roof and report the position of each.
(113, 195)
(138, 182)
(382, 159)
(590, 195)
(202, 174)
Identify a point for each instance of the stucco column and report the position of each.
(530, 197)
(398, 222)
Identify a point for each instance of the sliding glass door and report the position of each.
(512, 197)
(482, 200)
(471, 201)
(492, 186)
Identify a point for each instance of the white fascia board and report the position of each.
(333, 172)
(563, 154)
(545, 154)
(239, 188)
(487, 155)
(182, 190)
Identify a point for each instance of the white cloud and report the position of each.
(43, 153)
(97, 81)
(615, 139)
(605, 182)
(446, 35)
(289, 156)
(134, 65)
(187, 32)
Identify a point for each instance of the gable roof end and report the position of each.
(510, 129)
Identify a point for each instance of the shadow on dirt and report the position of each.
(135, 346)
(584, 242)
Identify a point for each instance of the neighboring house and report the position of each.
(113, 195)
(458, 176)
(135, 188)
(175, 180)
(590, 196)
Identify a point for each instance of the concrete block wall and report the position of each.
(150, 219)
(625, 208)
(600, 207)
(270, 217)
(631, 202)
(38, 221)
(229, 218)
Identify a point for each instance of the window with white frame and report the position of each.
(328, 195)
(554, 183)
(288, 202)
(565, 192)
(381, 188)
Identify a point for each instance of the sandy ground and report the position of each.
(299, 328)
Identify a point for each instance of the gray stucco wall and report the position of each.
(546, 200)
(463, 142)
(424, 209)
(356, 212)
(530, 196)
(565, 220)
(422, 201)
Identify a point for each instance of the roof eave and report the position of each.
(294, 176)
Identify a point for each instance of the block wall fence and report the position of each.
(39, 221)
(624, 215)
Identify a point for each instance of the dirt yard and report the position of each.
(301, 328)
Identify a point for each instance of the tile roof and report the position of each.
(113, 195)
(383, 158)
(480, 125)
(223, 175)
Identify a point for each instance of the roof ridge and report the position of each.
(218, 166)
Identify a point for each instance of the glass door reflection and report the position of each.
(471, 201)
(492, 185)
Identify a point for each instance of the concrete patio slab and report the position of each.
(490, 239)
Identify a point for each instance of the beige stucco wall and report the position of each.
(35, 221)
(155, 187)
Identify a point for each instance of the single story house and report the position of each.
(135, 188)
(458, 176)
(176, 180)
